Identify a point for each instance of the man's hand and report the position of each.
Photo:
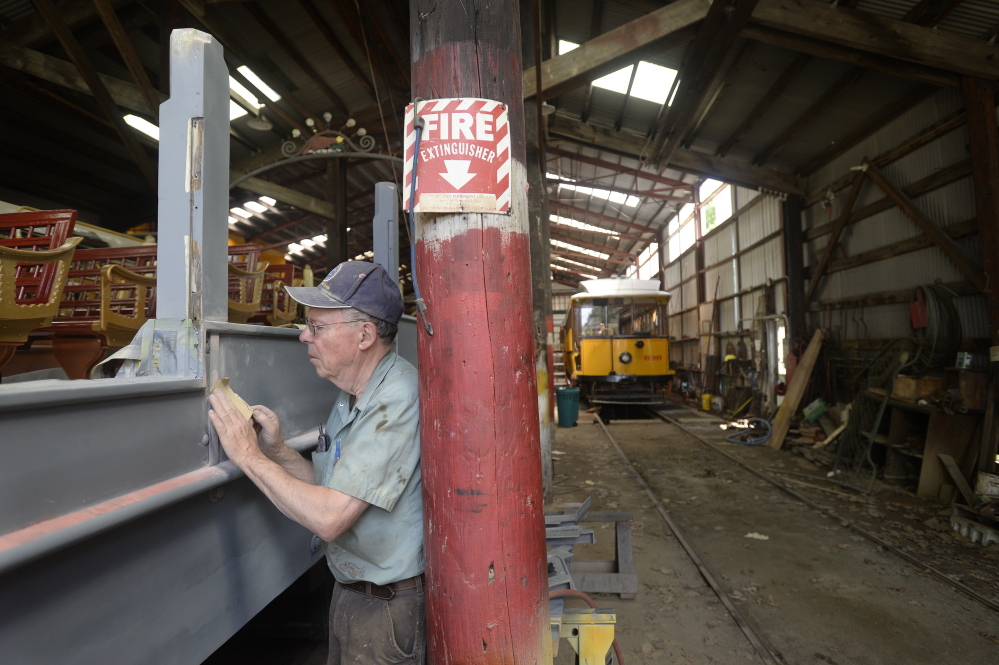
(269, 430)
(238, 437)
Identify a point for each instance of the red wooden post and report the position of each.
(483, 502)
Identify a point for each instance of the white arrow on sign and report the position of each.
(457, 172)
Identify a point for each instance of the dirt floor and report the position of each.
(814, 591)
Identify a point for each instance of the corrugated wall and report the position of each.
(740, 256)
(946, 205)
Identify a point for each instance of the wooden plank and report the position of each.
(611, 49)
(619, 168)
(820, 267)
(949, 435)
(625, 556)
(959, 480)
(971, 271)
(880, 35)
(799, 382)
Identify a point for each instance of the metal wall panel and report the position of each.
(691, 328)
(688, 294)
(744, 195)
(688, 266)
(759, 221)
(727, 315)
(671, 276)
(719, 245)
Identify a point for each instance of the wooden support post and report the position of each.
(540, 227)
(487, 580)
(844, 217)
(794, 266)
(336, 226)
(940, 239)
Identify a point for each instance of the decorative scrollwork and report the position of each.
(289, 148)
(366, 143)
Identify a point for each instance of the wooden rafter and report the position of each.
(951, 249)
(607, 219)
(931, 12)
(595, 19)
(921, 73)
(97, 87)
(689, 161)
(619, 168)
(702, 67)
(327, 32)
(770, 97)
(879, 35)
(288, 46)
(616, 255)
(129, 56)
(612, 49)
(844, 217)
(590, 261)
(718, 87)
(879, 119)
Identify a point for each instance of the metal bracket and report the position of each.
(590, 633)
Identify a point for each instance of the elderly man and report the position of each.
(361, 492)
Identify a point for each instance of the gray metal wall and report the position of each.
(946, 205)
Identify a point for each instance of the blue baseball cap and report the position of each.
(361, 285)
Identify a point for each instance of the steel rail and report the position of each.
(922, 566)
(747, 629)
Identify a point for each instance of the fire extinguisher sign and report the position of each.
(464, 156)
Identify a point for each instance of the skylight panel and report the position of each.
(254, 206)
(574, 263)
(581, 250)
(617, 197)
(268, 200)
(241, 90)
(320, 239)
(615, 81)
(258, 83)
(582, 226)
(555, 266)
(566, 46)
(632, 201)
(233, 220)
(295, 248)
(242, 213)
(652, 82)
(307, 242)
(143, 125)
(235, 110)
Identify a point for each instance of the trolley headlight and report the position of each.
(625, 357)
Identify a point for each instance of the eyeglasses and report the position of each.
(313, 327)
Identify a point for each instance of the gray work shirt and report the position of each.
(379, 441)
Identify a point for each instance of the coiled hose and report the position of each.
(755, 435)
(572, 593)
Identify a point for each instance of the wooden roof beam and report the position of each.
(879, 35)
(327, 32)
(619, 168)
(718, 87)
(633, 146)
(702, 67)
(571, 209)
(615, 255)
(590, 261)
(615, 48)
(129, 56)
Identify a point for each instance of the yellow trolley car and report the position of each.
(615, 342)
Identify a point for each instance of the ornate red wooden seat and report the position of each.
(109, 295)
(35, 252)
(246, 281)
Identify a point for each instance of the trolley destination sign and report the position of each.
(463, 156)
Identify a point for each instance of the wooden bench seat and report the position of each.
(276, 308)
(35, 254)
(246, 281)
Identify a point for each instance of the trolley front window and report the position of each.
(621, 317)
